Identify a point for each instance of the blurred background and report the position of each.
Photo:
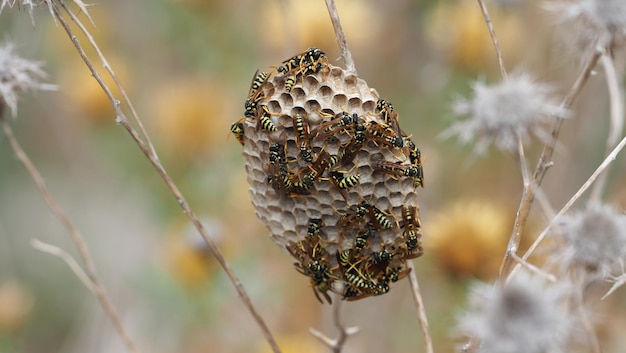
(187, 66)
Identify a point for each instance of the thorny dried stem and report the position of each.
(341, 37)
(543, 164)
(494, 39)
(419, 303)
(83, 251)
(336, 345)
(154, 160)
(617, 119)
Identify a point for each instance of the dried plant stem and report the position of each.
(118, 84)
(617, 119)
(90, 268)
(421, 312)
(543, 164)
(68, 259)
(521, 157)
(532, 268)
(336, 345)
(494, 39)
(601, 168)
(341, 37)
(150, 153)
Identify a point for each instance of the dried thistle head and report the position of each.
(523, 316)
(595, 239)
(600, 22)
(498, 114)
(332, 175)
(17, 75)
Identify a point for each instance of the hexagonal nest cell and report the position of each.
(332, 176)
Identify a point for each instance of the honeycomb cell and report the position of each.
(340, 100)
(310, 83)
(298, 94)
(312, 105)
(325, 92)
(354, 103)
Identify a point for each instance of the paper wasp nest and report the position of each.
(332, 175)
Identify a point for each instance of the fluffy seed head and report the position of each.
(596, 23)
(518, 106)
(17, 75)
(595, 238)
(524, 316)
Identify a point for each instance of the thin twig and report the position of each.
(617, 119)
(83, 251)
(68, 259)
(532, 268)
(419, 303)
(336, 345)
(543, 164)
(341, 37)
(154, 160)
(494, 39)
(521, 156)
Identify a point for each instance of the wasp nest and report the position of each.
(332, 175)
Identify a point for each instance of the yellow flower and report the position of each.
(16, 304)
(192, 117)
(188, 257)
(459, 29)
(469, 238)
(294, 344)
(303, 24)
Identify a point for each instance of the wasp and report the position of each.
(384, 134)
(391, 118)
(277, 157)
(258, 80)
(344, 182)
(309, 57)
(279, 176)
(299, 187)
(415, 156)
(316, 169)
(354, 146)
(313, 239)
(361, 240)
(317, 270)
(265, 121)
(379, 216)
(397, 273)
(251, 104)
(301, 126)
(361, 285)
(289, 82)
(397, 169)
(314, 227)
(329, 128)
(346, 219)
(412, 233)
(237, 129)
